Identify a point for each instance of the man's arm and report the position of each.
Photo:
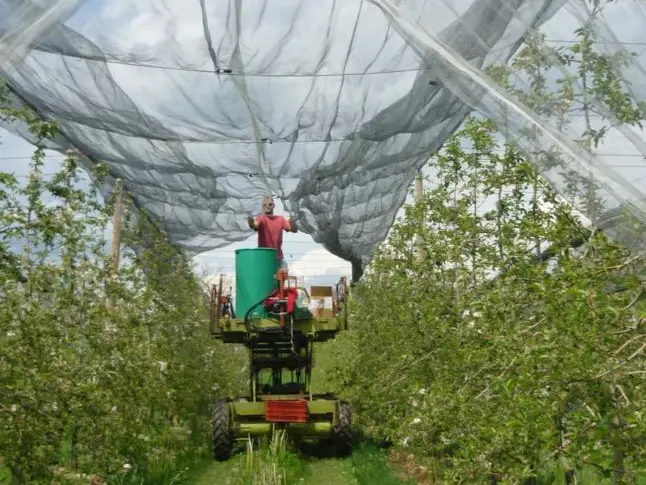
(252, 223)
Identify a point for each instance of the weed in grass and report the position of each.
(270, 463)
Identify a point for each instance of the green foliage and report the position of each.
(278, 462)
(477, 351)
(115, 393)
(483, 357)
(371, 467)
(574, 85)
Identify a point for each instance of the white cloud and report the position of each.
(319, 262)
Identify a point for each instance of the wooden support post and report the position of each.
(116, 237)
(419, 198)
(116, 229)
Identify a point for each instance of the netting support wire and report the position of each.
(240, 84)
(424, 41)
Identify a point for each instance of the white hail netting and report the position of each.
(202, 107)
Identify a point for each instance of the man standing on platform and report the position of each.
(270, 229)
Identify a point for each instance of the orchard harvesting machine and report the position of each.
(279, 331)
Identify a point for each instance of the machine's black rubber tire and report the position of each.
(342, 430)
(222, 437)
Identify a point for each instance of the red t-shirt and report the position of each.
(270, 232)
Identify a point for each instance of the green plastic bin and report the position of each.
(255, 279)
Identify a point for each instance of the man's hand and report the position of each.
(252, 222)
(292, 224)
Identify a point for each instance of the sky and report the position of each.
(170, 34)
